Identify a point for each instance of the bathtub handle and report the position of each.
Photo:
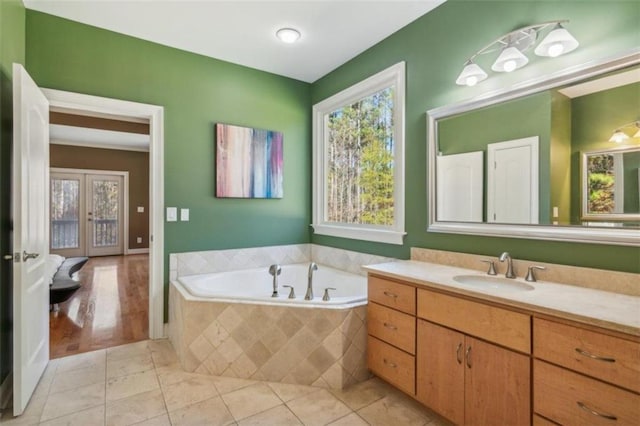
(292, 292)
(326, 297)
(388, 293)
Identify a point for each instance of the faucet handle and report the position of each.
(326, 297)
(530, 275)
(492, 267)
(292, 292)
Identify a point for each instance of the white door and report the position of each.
(105, 195)
(460, 187)
(30, 236)
(512, 181)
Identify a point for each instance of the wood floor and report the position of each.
(110, 309)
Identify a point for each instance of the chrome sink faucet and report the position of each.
(506, 256)
(309, 295)
(275, 270)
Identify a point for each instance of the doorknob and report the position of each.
(26, 256)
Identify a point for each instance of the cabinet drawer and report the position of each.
(605, 357)
(541, 421)
(570, 398)
(392, 364)
(392, 326)
(392, 294)
(501, 326)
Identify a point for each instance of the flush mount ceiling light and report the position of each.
(288, 35)
(620, 136)
(512, 47)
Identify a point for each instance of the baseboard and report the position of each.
(6, 391)
(138, 251)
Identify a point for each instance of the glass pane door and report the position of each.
(66, 211)
(105, 213)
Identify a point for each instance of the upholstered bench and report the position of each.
(62, 284)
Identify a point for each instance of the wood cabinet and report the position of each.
(585, 376)
(470, 381)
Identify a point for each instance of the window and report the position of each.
(358, 146)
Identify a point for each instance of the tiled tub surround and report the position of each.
(301, 345)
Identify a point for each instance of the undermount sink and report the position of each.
(497, 283)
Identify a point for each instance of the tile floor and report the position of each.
(142, 383)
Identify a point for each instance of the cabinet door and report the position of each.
(497, 385)
(440, 370)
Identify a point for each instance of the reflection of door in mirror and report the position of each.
(460, 187)
(611, 184)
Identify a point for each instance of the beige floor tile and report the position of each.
(279, 415)
(92, 416)
(395, 409)
(212, 411)
(230, 384)
(362, 394)
(129, 350)
(136, 408)
(186, 392)
(66, 380)
(318, 408)
(162, 353)
(168, 376)
(74, 400)
(125, 366)
(133, 384)
(30, 416)
(162, 420)
(44, 385)
(352, 419)
(251, 400)
(95, 359)
(287, 391)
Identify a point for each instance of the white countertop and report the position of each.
(604, 309)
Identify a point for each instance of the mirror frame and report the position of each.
(582, 234)
(584, 196)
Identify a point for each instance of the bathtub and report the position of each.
(256, 286)
(227, 324)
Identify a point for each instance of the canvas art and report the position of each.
(249, 162)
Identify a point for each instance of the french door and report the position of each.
(87, 213)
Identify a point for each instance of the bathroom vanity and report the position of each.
(504, 355)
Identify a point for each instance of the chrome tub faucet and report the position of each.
(506, 256)
(275, 270)
(309, 295)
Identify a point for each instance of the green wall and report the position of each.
(196, 92)
(12, 48)
(594, 118)
(435, 47)
(631, 182)
(560, 181)
(473, 131)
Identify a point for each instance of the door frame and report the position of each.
(81, 103)
(125, 200)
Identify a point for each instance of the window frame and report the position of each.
(393, 76)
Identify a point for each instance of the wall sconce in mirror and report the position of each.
(620, 134)
(512, 45)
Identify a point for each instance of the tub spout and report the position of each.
(275, 270)
(309, 295)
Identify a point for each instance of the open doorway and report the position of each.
(99, 204)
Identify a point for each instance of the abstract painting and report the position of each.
(249, 162)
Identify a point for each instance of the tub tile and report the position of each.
(304, 373)
(320, 325)
(229, 318)
(305, 342)
(352, 359)
(208, 412)
(230, 350)
(333, 343)
(201, 348)
(244, 335)
(216, 363)
(321, 359)
(335, 376)
(216, 334)
(289, 325)
(259, 354)
(273, 339)
(280, 364)
(360, 338)
(243, 367)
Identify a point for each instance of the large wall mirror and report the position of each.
(557, 158)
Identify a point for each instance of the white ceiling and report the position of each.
(97, 138)
(243, 32)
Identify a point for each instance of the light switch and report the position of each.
(555, 211)
(184, 215)
(172, 214)
(140, 209)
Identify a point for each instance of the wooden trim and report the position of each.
(138, 251)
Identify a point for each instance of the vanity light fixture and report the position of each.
(288, 35)
(512, 45)
(619, 136)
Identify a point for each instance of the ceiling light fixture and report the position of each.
(288, 35)
(620, 136)
(512, 47)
